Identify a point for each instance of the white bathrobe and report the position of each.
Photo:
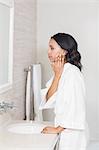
(69, 108)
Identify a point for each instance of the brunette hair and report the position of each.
(68, 43)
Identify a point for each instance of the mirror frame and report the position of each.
(5, 87)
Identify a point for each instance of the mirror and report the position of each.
(6, 44)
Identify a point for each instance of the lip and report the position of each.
(50, 58)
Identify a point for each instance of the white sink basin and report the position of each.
(26, 128)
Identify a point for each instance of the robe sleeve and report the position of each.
(51, 101)
(71, 112)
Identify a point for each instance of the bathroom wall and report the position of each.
(81, 19)
(24, 53)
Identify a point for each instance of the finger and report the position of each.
(60, 57)
(57, 55)
(44, 130)
(56, 59)
(63, 59)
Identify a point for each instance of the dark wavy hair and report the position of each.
(68, 43)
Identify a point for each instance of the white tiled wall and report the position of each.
(24, 53)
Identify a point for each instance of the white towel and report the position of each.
(28, 95)
(37, 91)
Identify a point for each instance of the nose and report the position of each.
(49, 51)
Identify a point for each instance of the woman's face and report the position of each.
(54, 50)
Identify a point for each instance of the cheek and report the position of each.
(54, 55)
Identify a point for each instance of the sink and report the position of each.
(26, 128)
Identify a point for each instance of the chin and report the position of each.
(51, 60)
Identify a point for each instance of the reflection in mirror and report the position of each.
(6, 46)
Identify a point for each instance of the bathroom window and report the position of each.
(6, 44)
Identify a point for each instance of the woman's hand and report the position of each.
(52, 130)
(58, 65)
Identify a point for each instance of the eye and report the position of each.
(51, 47)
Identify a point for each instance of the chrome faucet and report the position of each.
(4, 106)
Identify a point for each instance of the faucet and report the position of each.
(4, 106)
(30, 116)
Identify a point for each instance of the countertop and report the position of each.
(13, 141)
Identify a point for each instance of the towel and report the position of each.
(36, 87)
(28, 95)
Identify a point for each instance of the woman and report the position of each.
(65, 93)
